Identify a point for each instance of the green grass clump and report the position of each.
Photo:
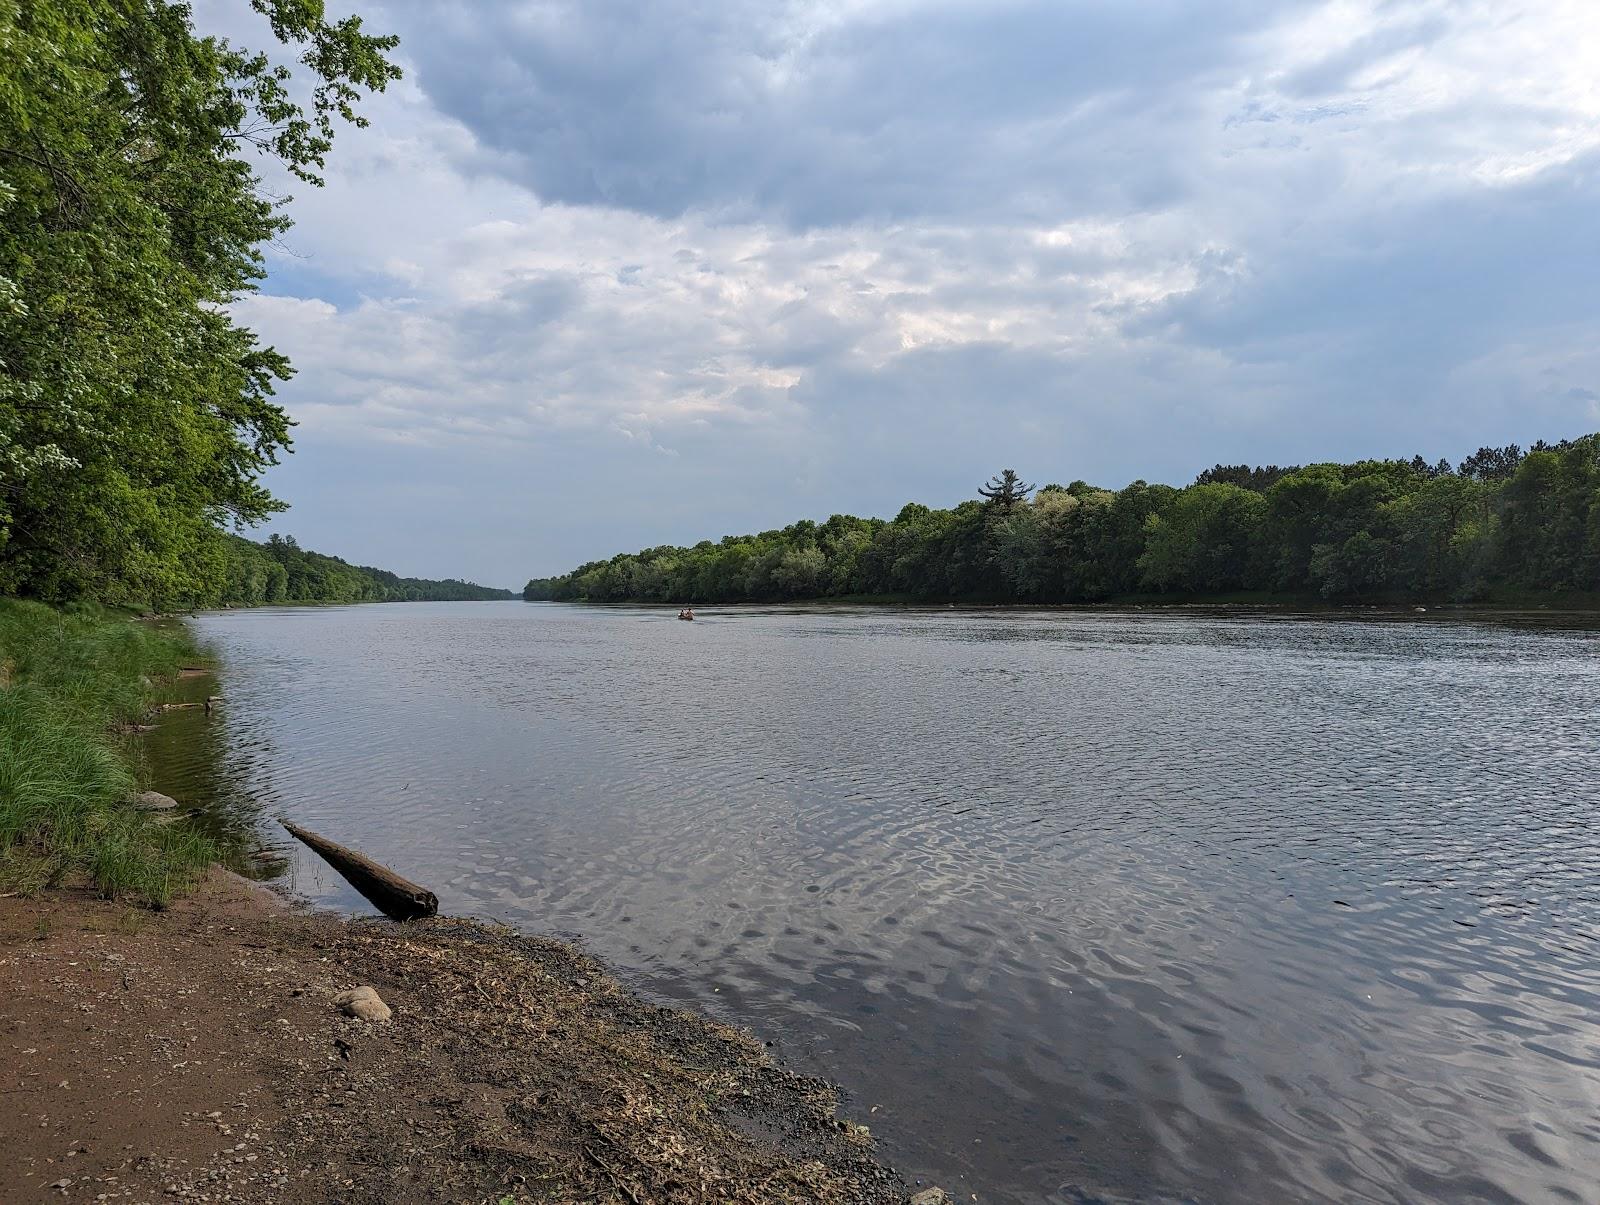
(67, 680)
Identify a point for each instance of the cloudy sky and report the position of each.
(605, 275)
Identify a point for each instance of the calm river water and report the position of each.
(1077, 905)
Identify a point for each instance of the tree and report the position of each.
(1361, 564)
(1430, 555)
(1347, 530)
(1208, 540)
(1422, 468)
(1260, 479)
(135, 415)
(1005, 491)
(1550, 519)
(1492, 464)
(1301, 509)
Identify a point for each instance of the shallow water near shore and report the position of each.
(1209, 905)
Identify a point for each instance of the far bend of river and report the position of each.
(1222, 907)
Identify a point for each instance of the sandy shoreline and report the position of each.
(198, 1054)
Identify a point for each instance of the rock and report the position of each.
(154, 801)
(363, 1003)
(932, 1196)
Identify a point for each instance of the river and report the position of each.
(1077, 905)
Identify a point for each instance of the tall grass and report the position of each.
(67, 680)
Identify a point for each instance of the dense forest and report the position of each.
(280, 571)
(1503, 523)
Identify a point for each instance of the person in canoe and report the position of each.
(686, 613)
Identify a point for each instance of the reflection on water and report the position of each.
(1230, 907)
(191, 755)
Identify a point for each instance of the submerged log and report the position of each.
(396, 897)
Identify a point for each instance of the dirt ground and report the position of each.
(197, 1054)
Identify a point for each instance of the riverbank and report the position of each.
(169, 1031)
(198, 1054)
(1248, 602)
(75, 688)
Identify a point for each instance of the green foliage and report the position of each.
(135, 416)
(1207, 541)
(281, 571)
(66, 678)
(1260, 478)
(1504, 521)
(1005, 490)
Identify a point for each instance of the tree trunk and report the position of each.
(396, 897)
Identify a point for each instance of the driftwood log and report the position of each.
(396, 897)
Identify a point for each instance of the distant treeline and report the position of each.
(1502, 522)
(221, 569)
(280, 571)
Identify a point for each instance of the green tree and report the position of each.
(1300, 511)
(1430, 555)
(1359, 565)
(1006, 490)
(1348, 530)
(1207, 540)
(135, 415)
(1550, 519)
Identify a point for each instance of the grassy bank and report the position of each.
(70, 683)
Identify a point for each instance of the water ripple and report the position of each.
(1197, 905)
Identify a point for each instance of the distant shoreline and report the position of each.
(314, 603)
(1586, 604)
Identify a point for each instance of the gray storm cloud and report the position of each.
(749, 263)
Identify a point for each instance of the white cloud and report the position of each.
(1135, 238)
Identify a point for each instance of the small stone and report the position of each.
(154, 801)
(932, 1196)
(363, 1003)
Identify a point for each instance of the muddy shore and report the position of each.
(199, 1054)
